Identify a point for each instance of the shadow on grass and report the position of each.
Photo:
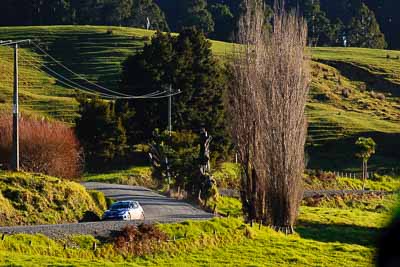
(350, 234)
(339, 154)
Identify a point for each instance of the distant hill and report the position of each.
(354, 91)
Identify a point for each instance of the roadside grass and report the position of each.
(227, 175)
(325, 237)
(137, 175)
(227, 206)
(28, 198)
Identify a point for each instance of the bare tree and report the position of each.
(267, 102)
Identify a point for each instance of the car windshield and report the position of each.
(120, 205)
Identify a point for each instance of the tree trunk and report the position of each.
(364, 175)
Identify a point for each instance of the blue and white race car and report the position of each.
(124, 210)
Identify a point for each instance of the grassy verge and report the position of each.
(27, 198)
(138, 175)
(325, 237)
(227, 175)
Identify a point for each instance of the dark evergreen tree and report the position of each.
(56, 12)
(100, 132)
(86, 11)
(147, 9)
(194, 13)
(186, 13)
(224, 22)
(186, 62)
(386, 12)
(117, 12)
(364, 30)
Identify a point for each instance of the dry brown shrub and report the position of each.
(47, 147)
(139, 240)
(346, 92)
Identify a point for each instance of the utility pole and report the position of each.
(170, 110)
(15, 147)
(15, 134)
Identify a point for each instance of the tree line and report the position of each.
(358, 23)
(131, 13)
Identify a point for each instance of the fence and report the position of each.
(358, 175)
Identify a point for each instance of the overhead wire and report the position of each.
(35, 63)
(65, 81)
(121, 95)
(76, 74)
(73, 85)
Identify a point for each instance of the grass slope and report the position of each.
(343, 102)
(27, 198)
(138, 175)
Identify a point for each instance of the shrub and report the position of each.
(346, 92)
(45, 147)
(101, 134)
(379, 96)
(321, 175)
(381, 178)
(141, 240)
(362, 87)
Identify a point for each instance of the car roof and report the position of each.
(127, 201)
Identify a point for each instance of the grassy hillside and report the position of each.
(27, 198)
(355, 92)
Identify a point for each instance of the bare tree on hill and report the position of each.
(267, 102)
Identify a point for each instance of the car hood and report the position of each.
(118, 211)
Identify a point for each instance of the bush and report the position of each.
(182, 151)
(101, 134)
(141, 240)
(381, 178)
(45, 147)
(324, 176)
(379, 96)
(346, 92)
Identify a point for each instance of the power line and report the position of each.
(74, 85)
(65, 80)
(122, 95)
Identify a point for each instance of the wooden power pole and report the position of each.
(15, 147)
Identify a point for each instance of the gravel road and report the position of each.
(157, 208)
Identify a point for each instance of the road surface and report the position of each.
(157, 208)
